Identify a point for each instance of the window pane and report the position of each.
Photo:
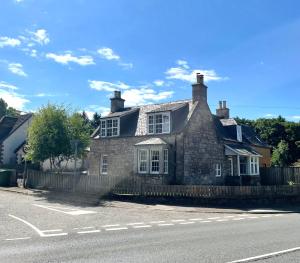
(158, 118)
(150, 119)
(143, 161)
(158, 128)
(115, 131)
(166, 161)
(109, 132)
(154, 161)
(109, 123)
(115, 123)
(151, 130)
(104, 164)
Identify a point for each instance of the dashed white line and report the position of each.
(116, 228)
(213, 218)
(187, 223)
(142, 226)
(85, 227)
(205, 221)
(266, 216)
(89, 231)
(237, 219)
(228, 216)
(178, 220)
(134, 224)
(18, 238)
(196, 219)
(222, 220)
(157, 222)
(252, 217)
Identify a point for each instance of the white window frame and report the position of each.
(231, 166)
(154, 161)
(218, 170)
(104, 127)
(165, 126)
(254, 165)
(166, 160)
(239, 134)
(146, 161)
(102, 165)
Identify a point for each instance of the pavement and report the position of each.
(36, 228)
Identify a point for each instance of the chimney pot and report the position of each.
(199, 78)
(224, 104)
(220, 104)
(223, 112)
(116, 102)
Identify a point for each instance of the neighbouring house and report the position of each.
(179, 142)
(13, 134)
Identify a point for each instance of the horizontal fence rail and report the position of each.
(135, 186)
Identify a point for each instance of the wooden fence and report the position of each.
(134, 186)
(280, 176)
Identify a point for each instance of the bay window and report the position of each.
(166, 161)
(154, 161)
(159, 123)
(254, 165)
(143, 161)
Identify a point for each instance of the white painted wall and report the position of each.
(13, 141)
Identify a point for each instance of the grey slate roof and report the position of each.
(152, 141)
(242, 149)
(8, 125)
(121, 113)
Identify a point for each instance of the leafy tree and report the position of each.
(51, 133)
(7, 111)
(96, 120)
(280, 156)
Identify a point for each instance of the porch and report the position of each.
(243, 165)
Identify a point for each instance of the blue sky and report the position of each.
(77, 52)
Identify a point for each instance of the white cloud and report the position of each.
(91, 109)
(158, 83)
(17, 68)
(11, 42)
(108, 53)
(269, 115)
(19, 1)
(296, 117)
(183, 72)
(66, 58)
(141, 96)
(39, 36)
(5, 85)
(11, 97)
(107, 86)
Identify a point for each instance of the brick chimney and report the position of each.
(223, 111)
(116, 102)
(199, 89)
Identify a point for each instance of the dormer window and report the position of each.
(110, 127)
(159, 123)
(239, 134)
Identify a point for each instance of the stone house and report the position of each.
(179, 142)
(13, 134)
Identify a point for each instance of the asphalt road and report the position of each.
(33, 229)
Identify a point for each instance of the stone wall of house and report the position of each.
(122, 158)
(202, 149)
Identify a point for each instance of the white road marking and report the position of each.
(212, 218)
(18, 238)
(187, 223)
(266, 216)
(157, 222)
(89, 231)
(85, 227)
(266, 255)
(142, 226)
(116, 229)
(228, 216)
(222, 220)
(195, 219)
(111, 225)
(252, 217)
(239, 218)
(167, 224)
(40, 232)
(65, 210)
(133, 224)
(52, 230)
(279, 215)
(205, 221)
(178, 220)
